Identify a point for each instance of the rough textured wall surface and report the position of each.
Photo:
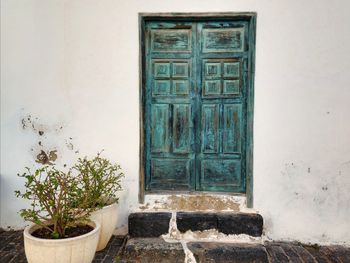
(74, 64)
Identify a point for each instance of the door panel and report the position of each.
(223, 39)
(171, 40)
(221, 78)
(231, 141)
(182, 128)
(210, 128)
(223, 36)
(170, 172)
(220, 175)
(160, 128)
(196, 105)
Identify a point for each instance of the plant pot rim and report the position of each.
(112, 204)
(27, 233)
(105, 209)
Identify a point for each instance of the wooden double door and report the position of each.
(194, 99)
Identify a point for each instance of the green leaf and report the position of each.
(29, 179)
(55, 235)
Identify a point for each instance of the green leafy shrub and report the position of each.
(53, 195)
(60, 200)
(101, 180)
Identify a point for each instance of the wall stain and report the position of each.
(29, 122)
(46, 158)
(53, 155)
(59, 129)
(44, 134)
(69, 144)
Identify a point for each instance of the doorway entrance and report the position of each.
(197, 102)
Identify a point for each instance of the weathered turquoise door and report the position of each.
(195, 102)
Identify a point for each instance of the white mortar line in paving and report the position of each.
(189, 257)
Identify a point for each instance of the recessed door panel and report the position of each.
(232, 120)
(223, 39)
(160, 128)
(210, 128)
(182, 128)
(171, 40)
(220, 175)
(170, 173)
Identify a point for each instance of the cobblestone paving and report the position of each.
(297, 253)
(12, 251)
(11, 247)
(112, 252)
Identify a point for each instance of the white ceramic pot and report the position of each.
(80, 249)
(107, 217)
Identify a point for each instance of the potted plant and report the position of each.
(62, 230)
(101, 179)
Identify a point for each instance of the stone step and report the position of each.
(148, 224)
(156, 250)
(228, 252)
(155, 224)
(148, 250)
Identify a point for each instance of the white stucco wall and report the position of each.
(73, 65)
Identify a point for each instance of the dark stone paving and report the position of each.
(155, 250)
(294, 252)
(144, 250)
(222, 253)
(11, 247)
(112, 253)
(12, 250)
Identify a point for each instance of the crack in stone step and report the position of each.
(173, 231)
(174, 235)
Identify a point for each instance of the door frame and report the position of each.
(250, 17)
